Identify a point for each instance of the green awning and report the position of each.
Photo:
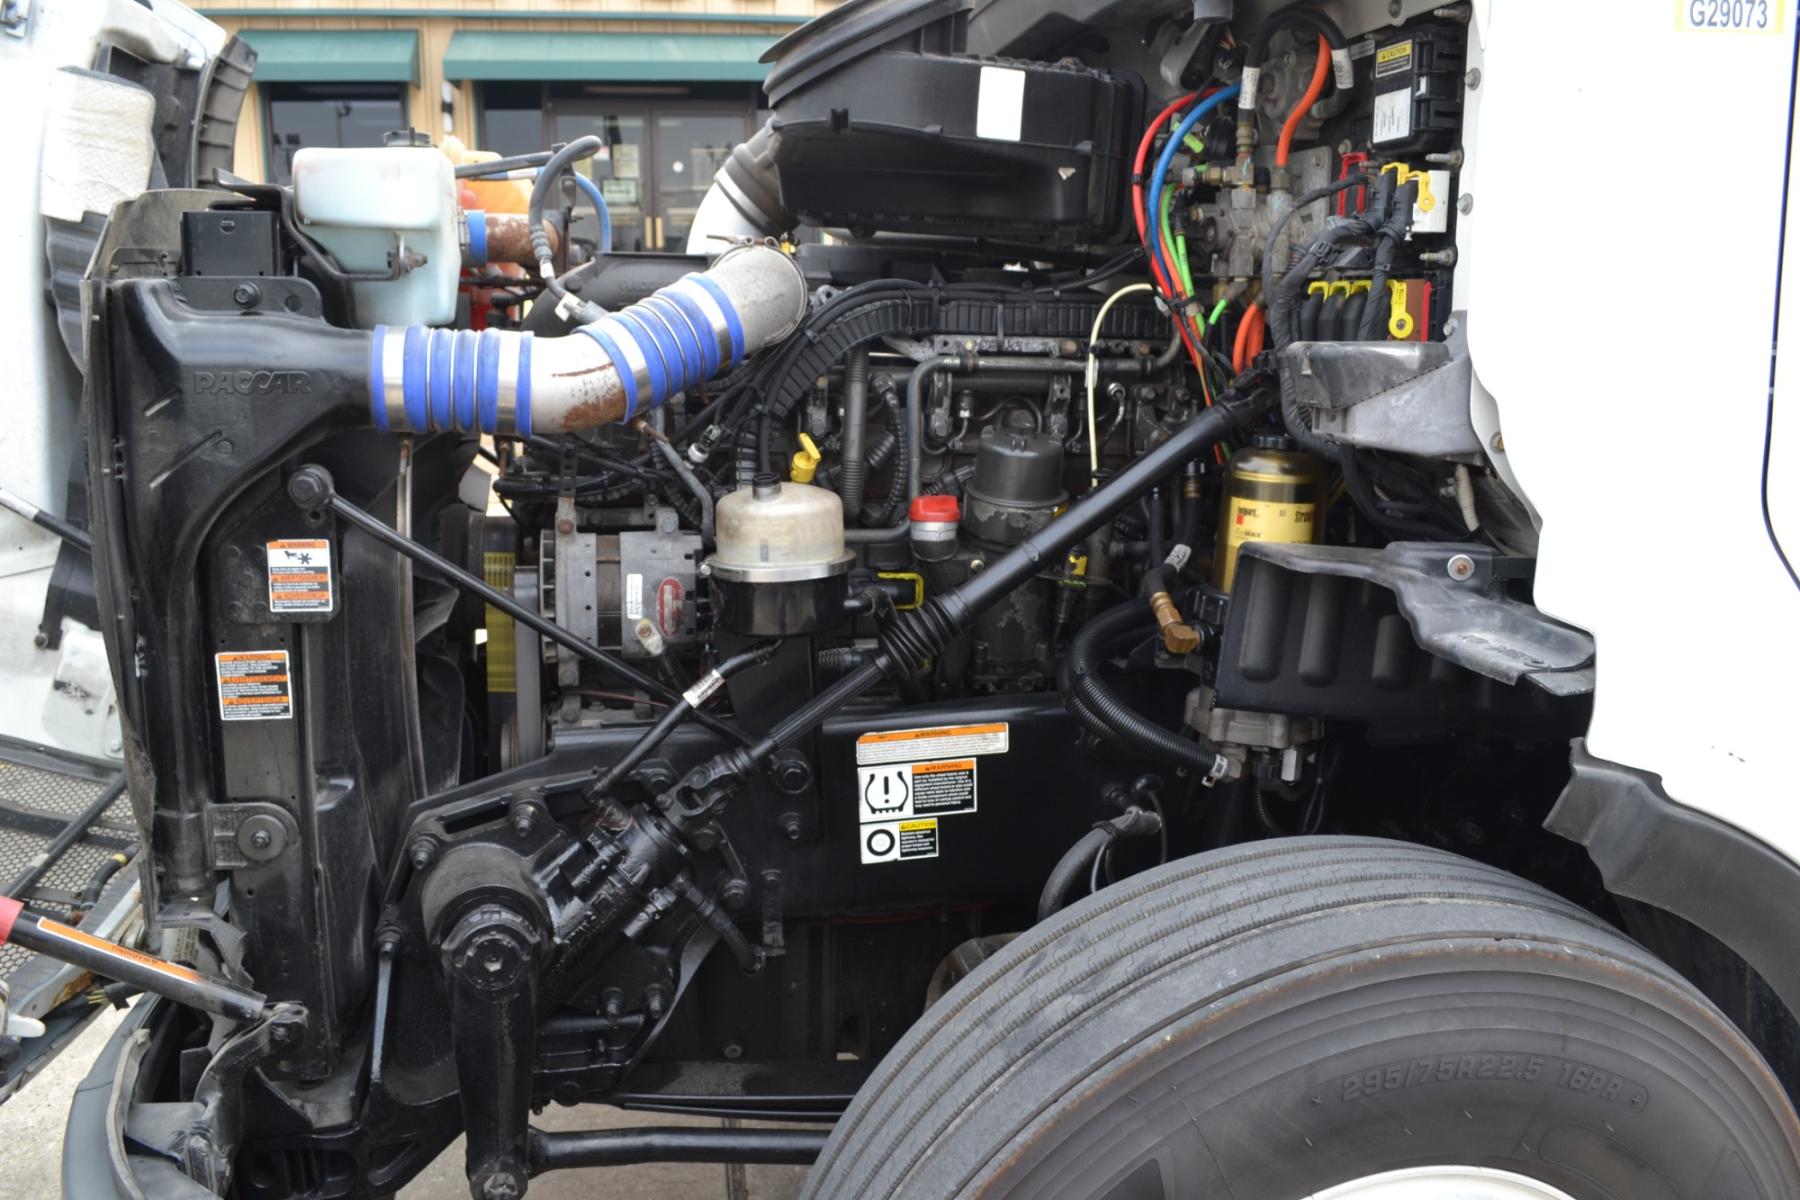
(335, 55)
(608, 57)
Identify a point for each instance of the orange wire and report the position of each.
(1306, 102)
(1237, 344)
(1253, 344)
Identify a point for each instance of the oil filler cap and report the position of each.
(935, 521)
(935, 510)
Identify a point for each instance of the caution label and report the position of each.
(897, 841)
(950, 741)
(922, 789)
(1392, 60)
(300, 576)
(254, 686)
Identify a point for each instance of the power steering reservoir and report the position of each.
(780, 568)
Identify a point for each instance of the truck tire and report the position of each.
(1322, 1016)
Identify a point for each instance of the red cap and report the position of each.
(935, 508)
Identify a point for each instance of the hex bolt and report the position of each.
(261, 839)
(734, 893)
(246, 295)
(791, 826)
(422, 853)
(1473, 79)
(1460, 567)
(1465, 204)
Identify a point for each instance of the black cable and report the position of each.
(575, 151)
(687, 702)
(1297, 14)
(499, 166)
(1096, 705)
(68, 532)
(1305, 201)
(1087, 850)
(1387, 241)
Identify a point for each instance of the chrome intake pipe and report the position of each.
(626, 363)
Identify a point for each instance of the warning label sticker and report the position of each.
(254, 686)
(920, 789)
(951, 741)
(896, 841)
(300, 576)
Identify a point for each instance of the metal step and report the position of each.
(41, 791)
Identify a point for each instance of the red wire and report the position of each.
(1306, 102)
(1140, 213)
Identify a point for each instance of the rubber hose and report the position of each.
(580, 148)
(1074, 863)
(1103, 711)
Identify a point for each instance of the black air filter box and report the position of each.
(912, 139)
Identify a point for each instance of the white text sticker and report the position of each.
(1393, 115)
(300, 575)
(254, 686)
(946, 741)
(897, 841)
(892, 792)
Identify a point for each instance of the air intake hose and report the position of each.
(626, 363)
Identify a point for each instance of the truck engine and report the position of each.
(558, 675)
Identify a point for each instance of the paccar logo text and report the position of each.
(252, 383)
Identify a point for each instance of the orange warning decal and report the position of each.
(947, 741)
(68, 933)
(254, 685)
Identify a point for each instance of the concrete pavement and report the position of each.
(31, 1151)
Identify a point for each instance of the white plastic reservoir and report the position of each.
(377, 207)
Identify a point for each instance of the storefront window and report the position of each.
(660, 154)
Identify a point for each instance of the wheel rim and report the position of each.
(1442, 1183)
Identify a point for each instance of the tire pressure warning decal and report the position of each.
(906, 779)
(254, 686)
(300, 576)
(894, 791)
(896, 841)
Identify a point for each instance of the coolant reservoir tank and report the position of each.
(781, 567)
(375, 209)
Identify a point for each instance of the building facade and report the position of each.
(670, 85)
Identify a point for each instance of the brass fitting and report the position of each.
(1177, 635)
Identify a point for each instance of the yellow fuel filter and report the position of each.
(1273, 493)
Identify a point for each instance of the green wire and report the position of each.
(1213, 317)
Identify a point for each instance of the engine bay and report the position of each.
(559, 675)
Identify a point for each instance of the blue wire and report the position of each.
(593, 193)
(1162, 168)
